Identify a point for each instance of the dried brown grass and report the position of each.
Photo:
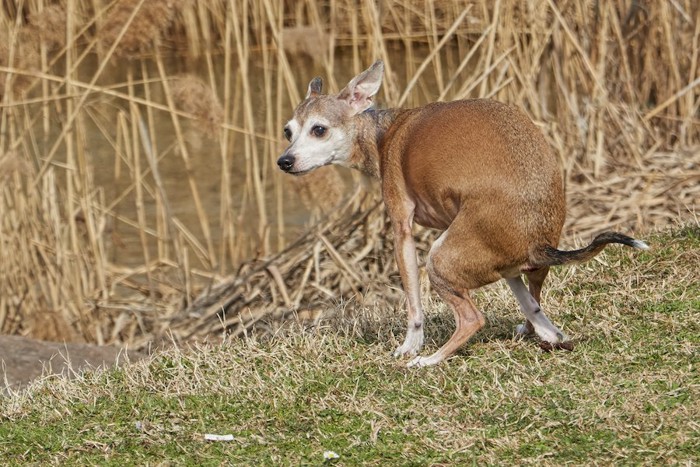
(46, 289)
(17, 53)
(615, 88)
(195, 97)
(152, 19)
(49, 25)
(12, 164)
(655, 197)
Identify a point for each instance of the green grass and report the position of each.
(628, 394)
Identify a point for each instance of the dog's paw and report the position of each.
(552, 335)
(524, 330)
(411, 345)
(403, 351)
(420, 361)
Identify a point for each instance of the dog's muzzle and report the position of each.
(286, 162)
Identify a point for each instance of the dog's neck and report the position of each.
(370, 128)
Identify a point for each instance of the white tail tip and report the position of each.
(640, 244)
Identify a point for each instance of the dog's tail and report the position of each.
(547, 255)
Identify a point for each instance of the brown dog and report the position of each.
(478, 170)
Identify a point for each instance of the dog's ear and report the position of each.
(361, 89)
(315, 86)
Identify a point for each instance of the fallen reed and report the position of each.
(139, 193)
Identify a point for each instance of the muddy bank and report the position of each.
(25, 359)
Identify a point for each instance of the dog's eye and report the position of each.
(318, 131)
(288, 134)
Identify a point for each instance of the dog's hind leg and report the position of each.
(535, 279)
(534, 314)
(451, 275)
(468, 320)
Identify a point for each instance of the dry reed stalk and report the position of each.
(149, 143)
(276, 19)
(321, 192)
(210, 257)
(133, 154)
(194, 96)
(226, 142)
(251, 150)
(130, 37)
(272, 97)
(49, 26)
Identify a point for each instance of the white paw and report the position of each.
(411, 345)
(553, 336)
(523, 330)
(419, 362)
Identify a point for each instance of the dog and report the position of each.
(478, 170)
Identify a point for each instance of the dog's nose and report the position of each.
(286, 162)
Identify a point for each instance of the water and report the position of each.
(244, 217)
(112, 137)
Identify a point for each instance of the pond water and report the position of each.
(220, 168)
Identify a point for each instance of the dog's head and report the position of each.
(322, 132)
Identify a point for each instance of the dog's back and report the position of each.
(484, 158)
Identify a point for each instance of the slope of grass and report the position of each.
(629, 393)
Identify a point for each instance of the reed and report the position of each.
(48, 26)
(195, 97)
(135, 34)
(138, 190)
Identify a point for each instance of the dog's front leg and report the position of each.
(405, 252)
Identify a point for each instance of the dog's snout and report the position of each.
(286, 162)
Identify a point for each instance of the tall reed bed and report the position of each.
(138, 140)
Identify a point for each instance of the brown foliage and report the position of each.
(194, 96)
(22, 56)
(49, 26)
(151, 20)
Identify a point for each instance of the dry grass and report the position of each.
(629, 393)
(127, 212)
(136, 26)
(195, 97)
(49, 25)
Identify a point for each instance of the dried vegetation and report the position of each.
(629, 393)
(136, 200)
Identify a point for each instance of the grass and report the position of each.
(628, 394)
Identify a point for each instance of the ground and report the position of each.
(629, 393)
(25, 359)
